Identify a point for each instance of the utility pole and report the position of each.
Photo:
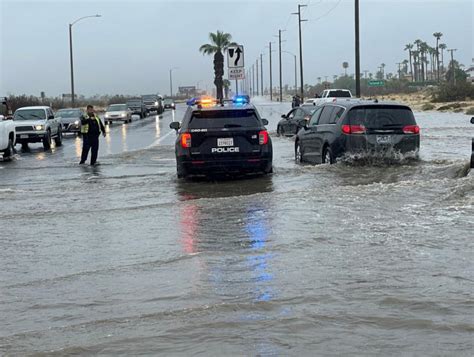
(357, 49)
(452, 64)
(256, 66)
(261, 72)
(271, 84)
(279, 54)
(253, 81)
(301, 48)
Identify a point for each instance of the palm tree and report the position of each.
(442, 47)
(382, 66)
(438, 35)
(423, 51)
(345, 65)
(415, 55)
(226, 84)
(220, 41)
(405, 66)
(319, 80)
(409, 47)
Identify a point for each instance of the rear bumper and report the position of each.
(237, 165)
(368, 144)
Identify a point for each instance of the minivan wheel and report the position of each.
(181, 171)
(47, 141)
(327, 156)
(298, 153)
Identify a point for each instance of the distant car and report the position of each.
(137, 107)
(7, 132)
(328, 95)
(153, 103)
(118, 112)
(222, 139)
(37, 124)
(357, 127)
(294, 120)
(168, 103)
(70, 119)
(472, 153)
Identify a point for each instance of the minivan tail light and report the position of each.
(411, 129)
(263, 137)
(353, 129)
(185, 140)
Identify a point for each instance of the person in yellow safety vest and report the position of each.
(91, 128)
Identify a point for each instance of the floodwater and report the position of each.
(126, 259)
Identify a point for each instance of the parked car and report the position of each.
(153, 103)
(169, 103)
(472, 152)
(222, 139)
(294, 120)
(7, 132)
(118, 112)
(137, 106)
(37, 124)
(357, 127)
(328, 95)
(70, 119)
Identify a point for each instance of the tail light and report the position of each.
(185, 140)
(353, 129)
(263, 137)
(411, 129)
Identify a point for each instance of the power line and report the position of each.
(327, 13)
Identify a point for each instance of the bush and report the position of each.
(427, 106)
(470, 111)
(448, 92)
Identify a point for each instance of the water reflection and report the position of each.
(124, 137)
(78, 146)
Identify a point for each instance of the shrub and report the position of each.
(448, 92)
(427, 106)
(470, 111)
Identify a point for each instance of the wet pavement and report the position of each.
(124, 258)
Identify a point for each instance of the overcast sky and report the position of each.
(130, 49)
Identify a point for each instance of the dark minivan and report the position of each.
(222, 139)
(357, 127)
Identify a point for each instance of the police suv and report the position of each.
(223, 138)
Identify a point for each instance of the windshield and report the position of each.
(150, 97)
(134, 102)
(381, 116)
(168, 101)
(29, 114)
(218, 119)
(117, 107)
(68, 113)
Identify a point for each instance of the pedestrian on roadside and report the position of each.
(91, 128)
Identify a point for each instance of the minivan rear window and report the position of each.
(381, 116)
(216, 119)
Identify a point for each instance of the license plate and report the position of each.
(384, 139)
(23, 136)
(222, 142)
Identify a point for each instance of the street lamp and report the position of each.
(296, 71)
(70, 53)
(171, 81)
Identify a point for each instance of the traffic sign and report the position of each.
(379, 83)
(237, 73)
(235, 56)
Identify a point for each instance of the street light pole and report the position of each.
(171, 81)
(256, 67)
(357, 49)
(279, 53)
(71, 57)
(271, 84)
(301, 48)
(261, 73)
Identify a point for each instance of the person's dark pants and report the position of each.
(90, 142)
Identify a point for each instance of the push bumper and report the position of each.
(24, 138)
(235, 166)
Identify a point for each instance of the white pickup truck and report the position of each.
(7, 132)
(328, 95)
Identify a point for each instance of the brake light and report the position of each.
(411, 129)
(263, 137)
(185, 140)
(353, 129)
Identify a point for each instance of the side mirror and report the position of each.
(175, 125)
(284, 116)
(472, 120)
(51, 117)
(264, 121)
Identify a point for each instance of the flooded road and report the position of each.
(346, 259)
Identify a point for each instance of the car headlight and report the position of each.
(39, 127)
(156, 103)
(76, 122)
(106, 115)
(124, 115)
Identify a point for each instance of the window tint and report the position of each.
(299, 114)
(381, 116)
(339, 94)
(315, 117)
(217, 119)
(336, 115)
(326, 115)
